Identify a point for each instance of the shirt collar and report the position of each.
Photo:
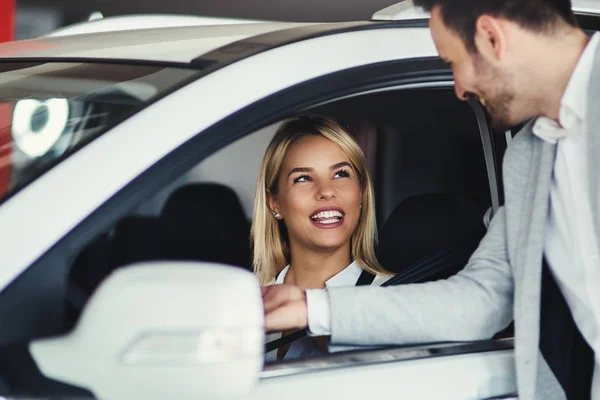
(346, 277)
(573, 104)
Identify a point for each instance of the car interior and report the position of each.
(425, 155)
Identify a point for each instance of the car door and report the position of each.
(483, 370)
(192, 123)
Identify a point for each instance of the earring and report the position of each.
(276, 215)
(361, 206)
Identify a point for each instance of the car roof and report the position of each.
(144, 21)
(173, 44)
(156, 38)
(187, 40)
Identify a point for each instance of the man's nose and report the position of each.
(460, 92)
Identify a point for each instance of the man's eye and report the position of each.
(302, 178)
(342, 174)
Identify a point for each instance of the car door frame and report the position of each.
(422, 73)
(467, 370)
(54, 264)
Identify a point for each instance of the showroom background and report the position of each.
(23, 19)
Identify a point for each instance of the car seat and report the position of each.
(205, 222)
(136, 239)
(429, 237)
(201, 222)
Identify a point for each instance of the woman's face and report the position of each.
(319, 197)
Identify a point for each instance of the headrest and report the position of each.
(425, 225)
(205, 222)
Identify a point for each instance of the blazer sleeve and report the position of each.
(472, 305)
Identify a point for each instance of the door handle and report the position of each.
(512, 396)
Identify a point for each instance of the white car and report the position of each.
(128, 161)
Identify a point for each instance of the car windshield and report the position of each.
(48, 110)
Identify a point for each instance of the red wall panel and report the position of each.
(7, 20)
(7, 34)
(5, 147)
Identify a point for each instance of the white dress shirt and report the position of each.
(571, 245)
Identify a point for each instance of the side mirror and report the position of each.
(164, 330)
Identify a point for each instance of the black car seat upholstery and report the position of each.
(205, 222)
(199, 222)
(429, 237)
(136, 239)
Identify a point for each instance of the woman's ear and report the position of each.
(273, 204)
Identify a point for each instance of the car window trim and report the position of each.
(382, 355)
(443, 84)
(488, 152)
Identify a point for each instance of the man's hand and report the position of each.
(285, 308)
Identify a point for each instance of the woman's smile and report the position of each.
(327, 217)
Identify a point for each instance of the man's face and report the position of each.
(475, 75)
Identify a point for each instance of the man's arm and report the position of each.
(474, 304)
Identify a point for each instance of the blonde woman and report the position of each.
(314, 215)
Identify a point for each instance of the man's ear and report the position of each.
(491, 37)
(272, 203)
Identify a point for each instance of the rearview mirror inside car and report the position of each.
(160, 330)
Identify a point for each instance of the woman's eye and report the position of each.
(342, 174)
(302, 178)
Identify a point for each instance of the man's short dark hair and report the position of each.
(536, 15)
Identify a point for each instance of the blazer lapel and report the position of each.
(593, 127)
(528, 265)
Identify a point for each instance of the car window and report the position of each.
(48, 110)
(425, 154)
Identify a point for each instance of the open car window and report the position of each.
(48, 110)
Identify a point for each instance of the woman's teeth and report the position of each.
(327, 217)
(329, 221)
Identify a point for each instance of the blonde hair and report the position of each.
(269, 239)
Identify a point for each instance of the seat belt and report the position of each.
(365, 279)
(282, 341)
(422, 269)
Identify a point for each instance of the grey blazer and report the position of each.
(501, 281)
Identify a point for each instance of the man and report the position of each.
(539, 262)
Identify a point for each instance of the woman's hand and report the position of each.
(285, 308)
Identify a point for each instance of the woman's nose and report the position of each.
(326, 191)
